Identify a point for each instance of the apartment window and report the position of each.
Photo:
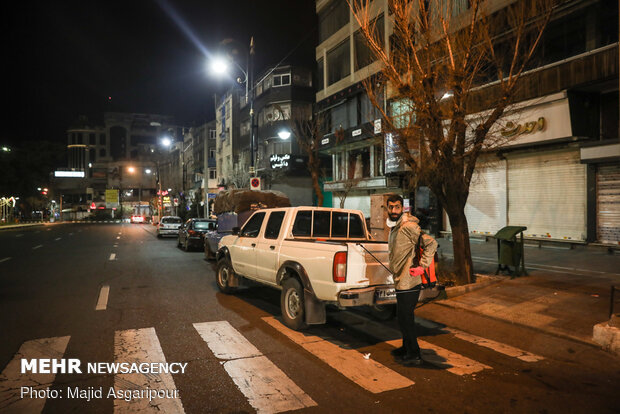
(101, 139)
(91, 139)
(338, 62)
(319, 75)
(79, 138)
(281, 79)
(212, 134)
(212, 153)
(363, 54)
(281, 148)
(212, 174)
(402, 113)
(332, 18)
(244, 128)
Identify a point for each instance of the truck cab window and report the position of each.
(252, 227)
(339, 224)
(272, 231)
(303, 224)
(356, 226)
(321, 225)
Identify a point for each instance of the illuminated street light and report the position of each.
(219, 66)
(166, 141)
(6, 149)
(131, 169)
(148, 171)
(284, 134)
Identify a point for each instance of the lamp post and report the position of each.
(220, 66)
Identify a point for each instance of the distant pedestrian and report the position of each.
(403, 245)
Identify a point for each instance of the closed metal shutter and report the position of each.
(486, 205)
(608, 203)
(547, 193)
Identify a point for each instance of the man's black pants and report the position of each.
(406, 301)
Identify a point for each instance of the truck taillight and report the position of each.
(340, 267)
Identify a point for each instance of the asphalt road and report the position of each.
(162, 302)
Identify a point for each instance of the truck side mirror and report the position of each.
(235, 231)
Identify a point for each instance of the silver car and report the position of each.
(169, 226)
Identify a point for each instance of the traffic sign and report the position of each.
(255, 183)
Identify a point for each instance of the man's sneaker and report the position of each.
(411, 360)
(398, 352)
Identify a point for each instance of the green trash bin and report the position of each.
(510, 250)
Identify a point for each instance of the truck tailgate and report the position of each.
(375, 267)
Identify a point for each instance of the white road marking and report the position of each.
(118, 237)
(496, 346)
(49, 230)
(11, 379)
(112, 256)
(37, 247)
(19, 235)
(116, 245)
(102, 302)
(142, 345)
(57, 238)
(5, 259)
(367, 373)
(266, 387)
(502, 348)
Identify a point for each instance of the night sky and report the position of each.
(67, 58)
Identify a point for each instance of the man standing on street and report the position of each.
(403, 244)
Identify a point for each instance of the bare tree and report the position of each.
(441, 54)
(308, 129)
(239, 177)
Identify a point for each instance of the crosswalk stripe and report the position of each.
(12, 381)
(142, 345)
(266, 387)
(450, 361)
(496, 346)
(499, 347)
(367, 373)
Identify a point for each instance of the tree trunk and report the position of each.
(317, 188)
(463, 266)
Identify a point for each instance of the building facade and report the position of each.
(558, 175)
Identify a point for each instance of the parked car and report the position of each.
(225, 223)
(169, 226)
(191, 233)
(315, 255)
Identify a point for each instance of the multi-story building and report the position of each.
(561, 180)
(281, 94)
(122, 154)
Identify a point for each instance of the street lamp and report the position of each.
(284, 134)
(219, 66)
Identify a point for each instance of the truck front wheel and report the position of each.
(223, 275)
(292, 304)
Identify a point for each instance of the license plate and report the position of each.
(384, 294)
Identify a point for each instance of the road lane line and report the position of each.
(11, 379)
(112, 256)
(19, 235)
(367, 373)
(57, 238)
(5, 259)
(266, 387)
(142, 345)
(102, 302)
(37, 247)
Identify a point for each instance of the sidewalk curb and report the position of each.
(482, 281)
(550, 331)
(18, 226)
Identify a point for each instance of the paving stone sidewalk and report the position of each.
(566, 293)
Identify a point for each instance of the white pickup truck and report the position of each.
(315, 255)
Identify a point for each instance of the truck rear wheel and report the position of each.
(292, 304)
(222, 276)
